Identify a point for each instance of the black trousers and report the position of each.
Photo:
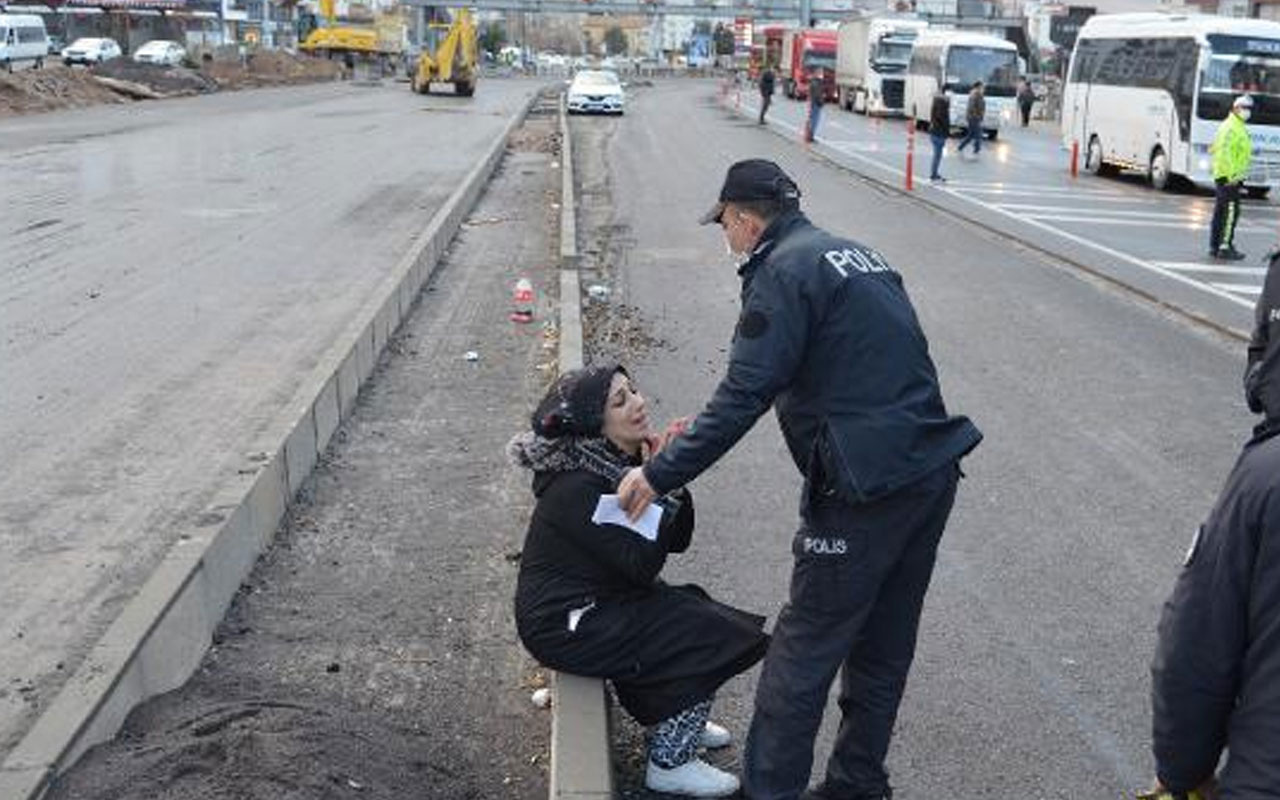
(1025, 108)
(857, 588)
(765, 100)
(1226, 212)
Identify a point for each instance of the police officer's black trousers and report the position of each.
(1226, 212)
(857, 589)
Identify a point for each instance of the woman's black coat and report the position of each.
(665, 648)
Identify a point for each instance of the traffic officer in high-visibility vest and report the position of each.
(1232, 151)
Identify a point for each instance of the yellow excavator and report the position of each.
(380, 41)
(449, 51)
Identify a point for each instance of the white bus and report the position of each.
(23, 40)
(955, 60)
(1147, 91)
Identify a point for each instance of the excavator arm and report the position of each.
(453, 61)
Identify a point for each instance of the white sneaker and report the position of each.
(715, 736)
(695, 778)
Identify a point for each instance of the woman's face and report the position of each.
(625, 422)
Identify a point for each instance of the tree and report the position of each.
(724, 40)
(492, 37)
(615, 41)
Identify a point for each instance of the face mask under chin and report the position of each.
(737, 258)
(1245, 114)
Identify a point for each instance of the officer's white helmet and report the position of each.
(1243, 101)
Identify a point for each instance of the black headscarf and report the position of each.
(568, 427)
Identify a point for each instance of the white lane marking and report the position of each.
(1036, 188)
(1240, 288)
(1071, 237)
(1216, 269)
(1138, 223)
(1035, 211)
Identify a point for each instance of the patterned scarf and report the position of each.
(594, 454)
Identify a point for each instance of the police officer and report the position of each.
(1214, 677)
(1232, 152)
(828, 336)
(1262, 373)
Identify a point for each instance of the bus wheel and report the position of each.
(1159, 171)
(1093, 158)
(992, 134)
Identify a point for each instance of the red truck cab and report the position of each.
(803, 51)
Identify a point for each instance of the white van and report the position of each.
(23, 40)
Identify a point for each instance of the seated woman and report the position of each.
(588, 600)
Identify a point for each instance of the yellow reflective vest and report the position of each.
(1232, 150)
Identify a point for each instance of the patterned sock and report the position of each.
(674, 741)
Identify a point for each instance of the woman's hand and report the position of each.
(655, 443)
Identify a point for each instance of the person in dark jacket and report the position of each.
(939, 130)
(1216, 672)
(766, 91)
(973, 114)
(588, 599)
(1026, 99)
(828, 337)
(1262, 373)
(815, 90)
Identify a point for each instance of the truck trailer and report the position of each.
(872, 54)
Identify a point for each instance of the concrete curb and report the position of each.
(161, 636)
(1092, 266)
(581, 766)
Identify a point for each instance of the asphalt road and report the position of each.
(170, 274)
(1110, 424)
(1023, 179)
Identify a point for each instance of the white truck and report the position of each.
(872, 53)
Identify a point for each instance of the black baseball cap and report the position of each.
(753, 179)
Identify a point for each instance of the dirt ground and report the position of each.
(58, 87)
(372, 652)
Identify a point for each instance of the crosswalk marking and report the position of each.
(1198, 219)
(1238, 288)
(1216, 269)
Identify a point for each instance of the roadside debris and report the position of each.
(471, 355)
(522, 299)
(541, 698)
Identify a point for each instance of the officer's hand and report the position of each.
(634, 493)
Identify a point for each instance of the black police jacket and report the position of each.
(1262, 375)
(828, 336)
(1216, 671)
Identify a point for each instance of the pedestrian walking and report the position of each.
(1026, 99)
(939, 131)
(976, 110)
(1232, 152)
(815, 105)
(1213, 678)
(588, 598)
(766, 91)
(828, 336)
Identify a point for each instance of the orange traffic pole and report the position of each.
(1075, 157)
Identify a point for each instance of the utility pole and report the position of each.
(806, 12)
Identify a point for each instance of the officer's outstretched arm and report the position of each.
(768, 348)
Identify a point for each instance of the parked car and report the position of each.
(90, 51)
(160, 51)
(23, 40)
(56, 44)
(595, 90)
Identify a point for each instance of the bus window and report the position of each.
(997, 69)
(1239, 65)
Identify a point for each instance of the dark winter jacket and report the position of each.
(1262, 375)
(829, 338)
(977, 106)
(588, 602)
(940, 115)
(1216, 673)
(766, 82)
